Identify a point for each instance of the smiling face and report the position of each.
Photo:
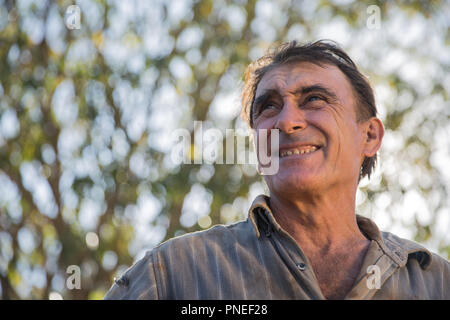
(321, 142)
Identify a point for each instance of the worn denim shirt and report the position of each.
(257, 259)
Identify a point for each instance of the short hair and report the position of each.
(320, 52)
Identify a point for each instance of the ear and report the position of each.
(373, 135)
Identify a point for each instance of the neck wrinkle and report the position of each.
(317, 227)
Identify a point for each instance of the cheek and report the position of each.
(325, 122)
(343, 136)
(350, 144)
(325, 116)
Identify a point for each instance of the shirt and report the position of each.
(257, 259)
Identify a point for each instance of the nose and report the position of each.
(291, 119)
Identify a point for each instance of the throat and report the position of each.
(317, 223)
(336, 271)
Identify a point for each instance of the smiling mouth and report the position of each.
(298, 151)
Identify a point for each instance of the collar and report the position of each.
(399, 250)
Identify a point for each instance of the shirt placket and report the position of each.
(297, 262)
(375, 258)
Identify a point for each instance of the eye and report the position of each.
(314, 98)
(266, 109)
(269, 106)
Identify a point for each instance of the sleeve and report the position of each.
(442, 268)
(435, 279)
(137, 283)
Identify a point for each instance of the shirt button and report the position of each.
(301, 266)
(123, 281)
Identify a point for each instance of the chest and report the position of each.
(336, 275)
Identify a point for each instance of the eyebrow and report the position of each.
(316, 88)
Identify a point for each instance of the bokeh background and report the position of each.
(86, 117)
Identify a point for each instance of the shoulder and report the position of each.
(146, 279)
(407, 249)
(137, 283)
(225, 235)
(421, 265)
(414, 250)
(189, 249)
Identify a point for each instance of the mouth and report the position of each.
(300, 150)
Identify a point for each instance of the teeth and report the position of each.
(296, 151)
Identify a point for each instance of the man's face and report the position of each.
(321, 143)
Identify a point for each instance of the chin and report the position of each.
(293, 183)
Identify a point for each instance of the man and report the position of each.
(304, 241)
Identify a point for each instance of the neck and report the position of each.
(320, 223)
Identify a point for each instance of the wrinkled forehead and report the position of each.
(290, 76)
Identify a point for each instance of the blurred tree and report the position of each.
(87, 116)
